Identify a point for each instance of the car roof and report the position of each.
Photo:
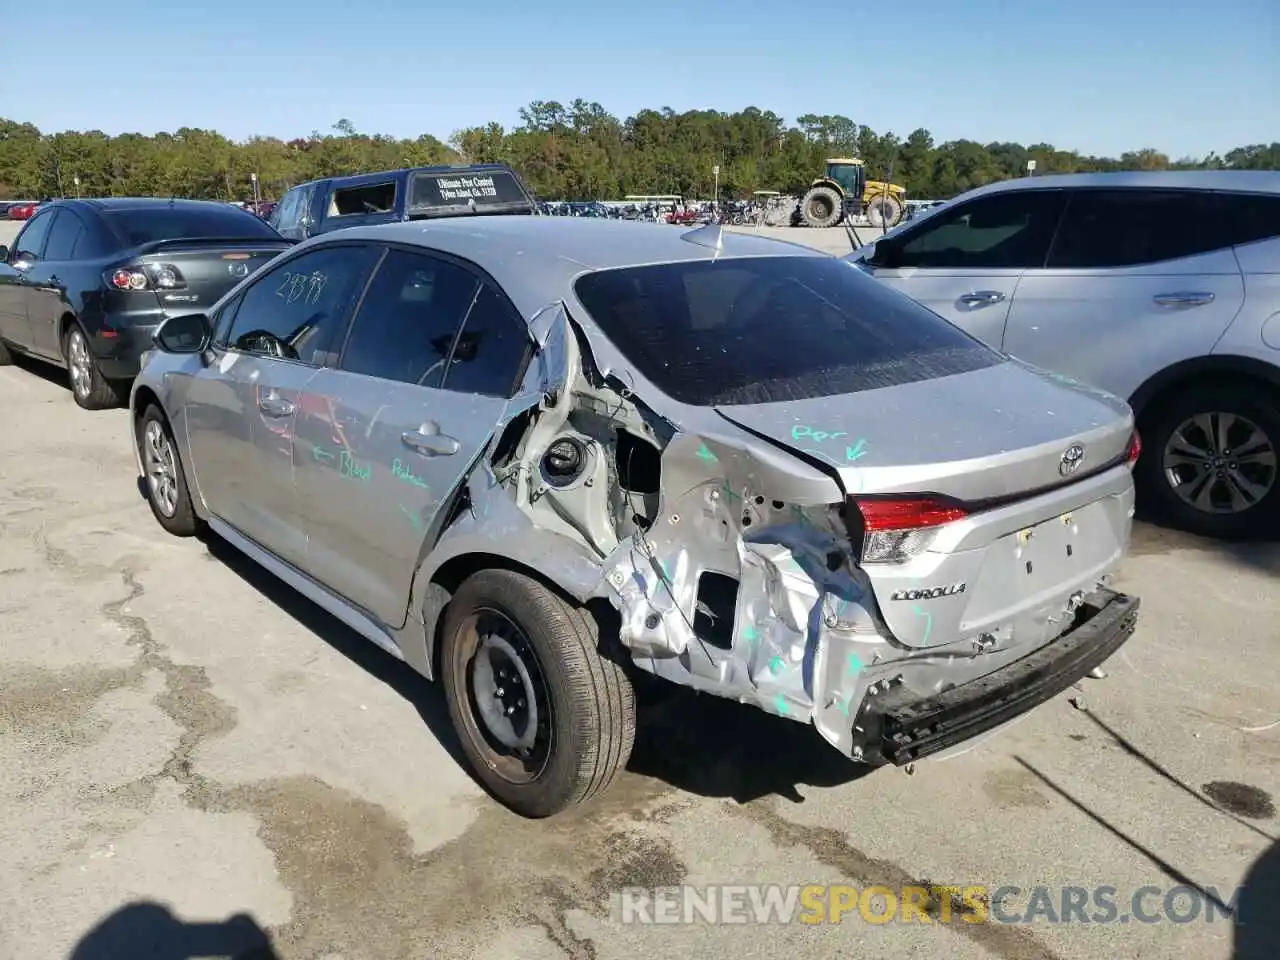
(536, 259)
(140, 203)
(1244, 181)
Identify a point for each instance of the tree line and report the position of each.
(578, 151)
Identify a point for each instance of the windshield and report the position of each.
(771, 329)
(146, 224)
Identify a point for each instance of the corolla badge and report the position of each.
(1072, 457)
(238, 270)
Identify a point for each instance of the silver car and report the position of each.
(1162, 288)
(531, 455)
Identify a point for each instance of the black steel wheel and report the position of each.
(545, 719)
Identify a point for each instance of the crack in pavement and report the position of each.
(327, 842)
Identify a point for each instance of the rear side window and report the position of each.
(181, 222)
(1009, 230)
(368, 198)
(408, 319)
(1127, 228)
(772, 329)
(1250, 216)
(66, 231)
(491, 351)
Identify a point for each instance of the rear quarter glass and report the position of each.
(772, 329)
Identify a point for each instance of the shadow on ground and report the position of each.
(44, 370)
(1261, 552)
(1257, 928)
(150, 931)
(699, 744)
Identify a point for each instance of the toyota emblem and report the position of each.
(238, 270)
(1072, 457)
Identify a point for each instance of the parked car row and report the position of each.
(538, 457)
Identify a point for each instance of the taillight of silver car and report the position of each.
(895, 529)
(147, 276)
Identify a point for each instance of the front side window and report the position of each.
(285, 215)
(30, 243)
(298, 311)
(1003, 231)
(409, 319)
(771, 329)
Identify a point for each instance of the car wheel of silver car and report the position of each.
(89, 387)
(166, 483)
(1211, 461)
(544, 718)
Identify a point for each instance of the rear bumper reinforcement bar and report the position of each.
(913, 728)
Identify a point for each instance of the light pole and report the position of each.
(253, 178)
(76, 181)
(715, 197)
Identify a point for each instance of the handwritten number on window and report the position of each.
(302, 288)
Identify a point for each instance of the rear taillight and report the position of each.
(895, 529)
(1133, 450)
(149, 276)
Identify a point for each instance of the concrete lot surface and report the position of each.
(197, 758)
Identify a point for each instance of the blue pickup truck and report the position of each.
(412, 193)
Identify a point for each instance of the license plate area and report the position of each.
(1053, 552)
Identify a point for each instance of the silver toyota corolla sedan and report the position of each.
(533, 455)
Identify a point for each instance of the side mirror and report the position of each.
(4, 253)
(188, 333)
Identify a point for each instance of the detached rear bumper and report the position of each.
(908, 729)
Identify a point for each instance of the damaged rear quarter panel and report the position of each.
(798, 631)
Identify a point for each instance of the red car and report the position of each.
(21, 211)
(683, 216)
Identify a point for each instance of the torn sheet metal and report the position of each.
(797, 624)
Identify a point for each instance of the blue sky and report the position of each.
(1101, 76)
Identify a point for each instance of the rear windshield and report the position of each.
(770, 329)
(145, 224)
(452, 188)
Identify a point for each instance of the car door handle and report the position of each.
(430, 443)
(981, 297)
(1187, 298)
(275, 407)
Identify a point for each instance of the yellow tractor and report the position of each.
(845, 191)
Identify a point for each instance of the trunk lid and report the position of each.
(1024, 453)
(987, 434)
(206, 268)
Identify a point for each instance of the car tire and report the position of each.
(90, 389)
(581, 729)
(1192, 414)
(163, 475)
